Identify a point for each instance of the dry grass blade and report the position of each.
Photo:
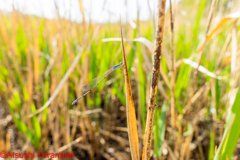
(155, 75)
(131, 116)
(173, 79)
(63, 148)
(85, 112)
(36, 57)
(223, 21)
(82, 10)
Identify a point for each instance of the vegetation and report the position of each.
(45, 63)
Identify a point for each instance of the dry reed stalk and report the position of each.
(173, 79)
(77, 113)
(63, 148)
(14, 32)
(185, 147)
(36, 56)
(116, 138)
(66, 115)
(155, 74)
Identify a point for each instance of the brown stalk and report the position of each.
(66, 116)
(63, 148)
(14, 31)
(155, 74)
(36, 56)
(173, 105)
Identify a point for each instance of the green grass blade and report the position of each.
(160, 128)
(211, 146)
(142, 87)
(231, 133)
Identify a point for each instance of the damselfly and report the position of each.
(93, 83)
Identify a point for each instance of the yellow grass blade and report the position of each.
(82, 10)
(218, 26)
(131, 116)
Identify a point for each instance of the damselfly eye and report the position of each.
(85, 87)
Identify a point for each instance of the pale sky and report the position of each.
(92, 8)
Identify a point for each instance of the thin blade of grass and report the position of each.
(142, 87)
(160, 129)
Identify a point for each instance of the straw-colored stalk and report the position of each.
(155, 75)
(173, 106)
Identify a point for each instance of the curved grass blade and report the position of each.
(131, 116)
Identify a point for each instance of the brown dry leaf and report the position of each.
(131, 116)
(223, 21)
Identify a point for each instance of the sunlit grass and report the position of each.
(36, 53)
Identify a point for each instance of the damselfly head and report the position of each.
(85, 87)
(121, 66)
